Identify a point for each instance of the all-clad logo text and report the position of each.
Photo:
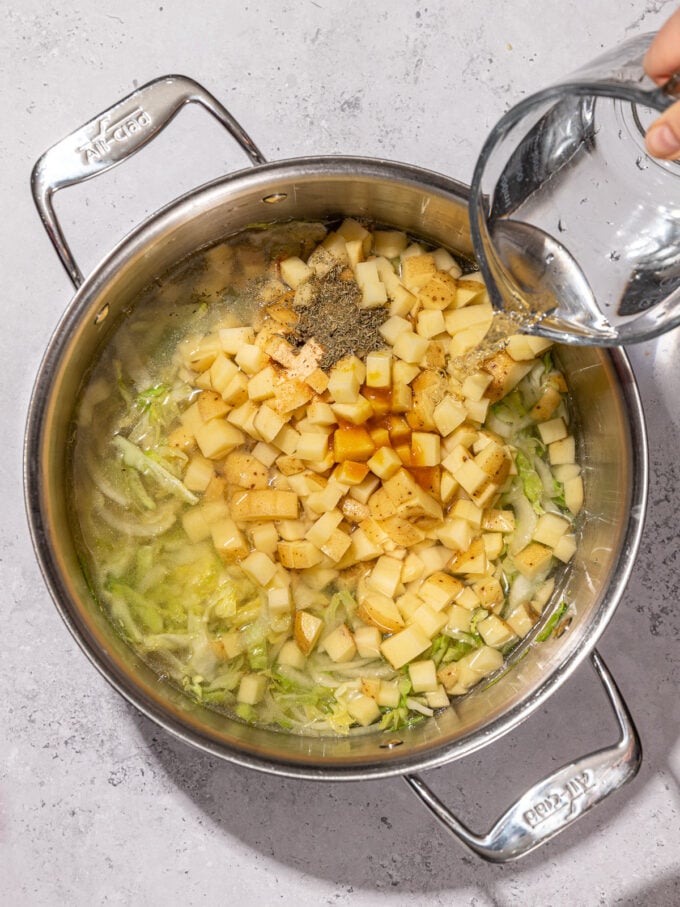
(559, 799)
(110, 134)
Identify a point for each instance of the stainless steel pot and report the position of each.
(612, 442)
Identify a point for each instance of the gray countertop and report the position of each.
(97, 805)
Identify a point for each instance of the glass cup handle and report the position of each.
(555, 802)
(114, 135)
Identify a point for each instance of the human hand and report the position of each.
(661, 61)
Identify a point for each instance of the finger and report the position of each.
(663, 136)
(663, 57)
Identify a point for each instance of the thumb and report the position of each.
(663, 136)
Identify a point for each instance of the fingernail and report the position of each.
(662, 141)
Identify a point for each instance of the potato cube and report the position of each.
(402, 532)
(261, 385)
(385, 576)
(290, 395)
(498, 520)
(351, 472)
(448, 414)
(448, 675)
(311, 446)
(430, 621)
(228, 540)
(320, 413)
(552, 430)
(379, 369)
(345, 379)
(520, 621)
(195, 524)
(546, 405)
(198, 473)
(417, 270)
(533, 560)
(402, 398)
(251, 359)
(264, 504)
(565, 549)
(438, 699)
(307, 629)
(352, 443)
(217, 438)
(470, 476)
(472, 561)
(336, 545)
(236, 391)
(388, 694)
(252, 688)
(560, 452)
(384, 462)
(494, 631)
(470, 317)
(439, 590)
(493, 544)
(363, 709)
(294, 271)
(379, 611)
(458, 619)
(391, 329)
(367, 641)
(362, 548)
(363, 491)
(429, 323)
(573, 494)
(291, 654)
(287, 438)
(389, 243)
(211, 405)
(242, 469)
(221, 372)
(425, 449)
(475, 385)
(233, 644)
(267, 423)
(357, 413)
(323, 528)
(264, 537)
(404, 372)
(423, 676)
(232, 339)
(405, 645)
(440, 292)
(505, 374)
(410, 347)
(550, 528)
(339, 644)
(373, 289)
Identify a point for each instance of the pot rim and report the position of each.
(437, 754)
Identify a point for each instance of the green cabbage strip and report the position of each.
(135, 458)
(531, 480)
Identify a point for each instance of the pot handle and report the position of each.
(555, 802)
(114, 135)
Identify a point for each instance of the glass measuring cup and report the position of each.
(575, 227)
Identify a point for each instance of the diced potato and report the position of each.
(221, 372)
(352, 443)
(236, 391)
(458, 619)
(574, 494)
(379, 611)
(373, 292)
(367, 641)
(430, 621)
(505, 374)
(498, 520)
(440, 589)
(388, 694)
(494, 631)
(472, 561)
(264, 537)
(268, 423)
(218, 438)
(429, 323)
(440, 292)
(264, 505)
(294, 271)
(389, 243)
(363, 709)
(345, 379)
(425, 448)
(438, 699)
(385, 576)
(416, 270)
(402, 532)
(261, 385)
(323, 528)
(290, 395)
(405, 646)
(470, 476)
(307, 628)
(233, 644)
(475, 385)
(520, 621)
(211, 405)
(358, 412)
(336, 545)
(243, 469)
(339, 644)
(290, 654)
(252, 688)
(423, 676)
(409, 499)
(563, 451)
(552, 430)
(565, 549)
(410, 347)
(251, 359)
(229, 540)
(198, 473)
(379, 369)
(546, 405)
(286, 440)
(550, 528)
(298, 555)
(448, 414)
(384, 462)
(311, 446)
(533, 560)
(351, 472)
(232, 339)
(448, 675)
